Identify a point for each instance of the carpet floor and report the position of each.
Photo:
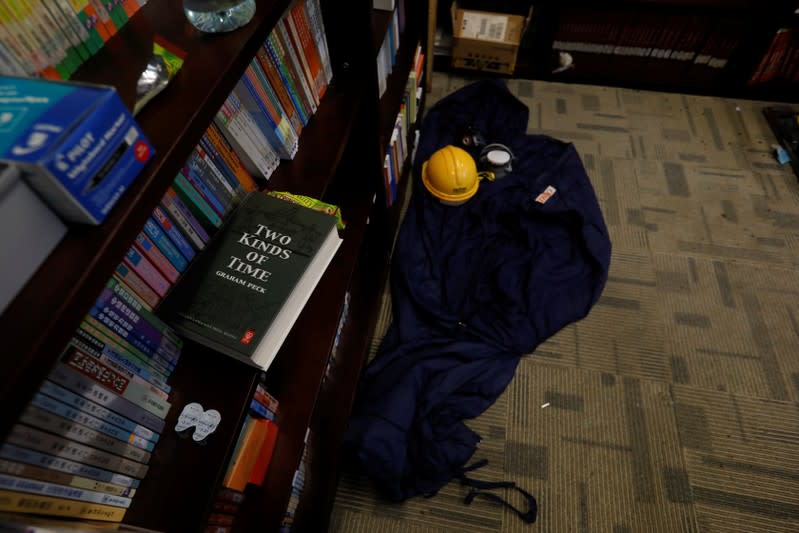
(674, 406)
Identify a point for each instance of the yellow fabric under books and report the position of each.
(313, 203)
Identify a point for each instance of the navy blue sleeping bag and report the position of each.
(474, 287)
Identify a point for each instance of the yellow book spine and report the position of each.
(47, 505)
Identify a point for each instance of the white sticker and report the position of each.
(484, 27)
(546, 195)
(203, 422)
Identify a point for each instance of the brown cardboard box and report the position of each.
(486, 41)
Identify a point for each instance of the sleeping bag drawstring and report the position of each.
(476, 486)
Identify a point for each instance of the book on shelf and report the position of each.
(247, 289)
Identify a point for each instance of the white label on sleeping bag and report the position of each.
(546, 195)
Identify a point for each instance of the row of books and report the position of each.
(249, 463)
(83, 443)
(297, 486)
(398, 146)
(780, 62)
(52, 38)
(280, 90)
(387, 54)
(685, 38)
(331, 358)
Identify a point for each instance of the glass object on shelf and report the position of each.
(215, 16)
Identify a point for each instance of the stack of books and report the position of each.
(387, 55)
(52, 38)
(250, 461)
(82, 445)
(780, 61)
(280, 91)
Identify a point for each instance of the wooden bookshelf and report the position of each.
(339, 160)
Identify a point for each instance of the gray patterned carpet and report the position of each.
(675, 405)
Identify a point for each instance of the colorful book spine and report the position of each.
(184, 218)
(267, 98)
(276, 54)
(61, 491)
(28, 503)
(109, 359)
(218, 183)
(40, 441)
(260, 410)
(299, 51)
(263, 396)
(62, 478)
(244, 91)
(299, 16)
(132, 280)
(51, 423)
(202, 211)
(120, 327)
(170, 251)
(59, 464)
(65, 411)
(273, 77)
(116, 383)
(75, 381)
(200, 186)
(98, 411)
(175, 344)
(107, 333)
(231, 158)
(151, 252)
(295, 68)
(244, 122)
(147, 326)
(147, 271)
(218, 165)
(313, 11)
(177, 238)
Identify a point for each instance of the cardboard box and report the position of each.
(29, 231)
(485, 40)
(78, 144)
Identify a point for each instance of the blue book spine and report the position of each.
(95, 347)
(220, 163)
(270, 47)
(117, 324)
(216, 184)
(261, 411)
(140, 327)
(254, 105)
(98, 411)
(157, 235)
(65, 411)
(177, 238)
(190, 218)
(24, 455)
(191, 175)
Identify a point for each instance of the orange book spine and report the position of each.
(240, 469)
(265, 455)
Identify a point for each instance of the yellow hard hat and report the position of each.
(451, 175)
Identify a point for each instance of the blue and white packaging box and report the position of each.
(77, 143)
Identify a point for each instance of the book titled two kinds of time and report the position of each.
(242, 296)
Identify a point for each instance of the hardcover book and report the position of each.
(244, 293)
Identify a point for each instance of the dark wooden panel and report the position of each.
(178, 488)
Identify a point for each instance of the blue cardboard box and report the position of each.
(78, 144)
